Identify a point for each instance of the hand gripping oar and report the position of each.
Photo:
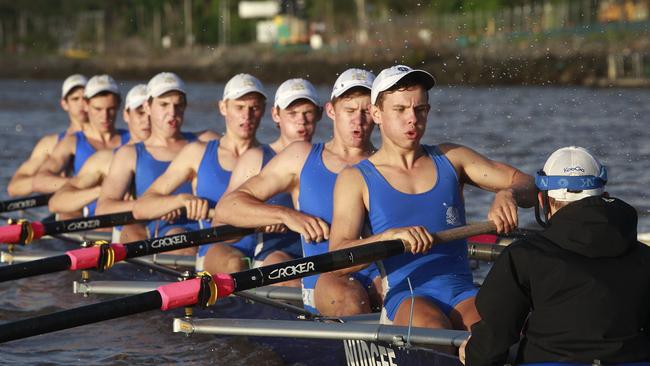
(103, 256)
(24, 232)
(25, 202)
(206, 289)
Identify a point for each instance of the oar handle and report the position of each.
(460, 232)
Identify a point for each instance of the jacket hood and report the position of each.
(595, 227)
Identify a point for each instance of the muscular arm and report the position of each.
(22, 181)
(85, 187)
(246, 207)
(49, 179)
(158, 200)
(512, 187)
(247, 167)
(118, 183)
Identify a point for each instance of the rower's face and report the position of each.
(73, 103)
(403, 116)
(166, 113)
(298, 121)
(243, 115)
(102, 110)
(352, 120)
(138, 121)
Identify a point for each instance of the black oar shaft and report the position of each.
(80, 316)
(89, 223)
(24, 203)
(34, 268)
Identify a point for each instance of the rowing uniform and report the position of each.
(83, 151)
(442, 275)
(212, 181)
(147, 170)
(315, 199)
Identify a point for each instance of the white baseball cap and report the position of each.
(294, 89)
(242, 84)
(390, 76)
(572, 173)
(99, 84)
(136, 97)
(351, 78)
(72, 82)
(164, 82)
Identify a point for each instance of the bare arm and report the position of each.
(159, 199)
(208, 135)
(246, 207)
(247, 167)
(512, 187)
(85, 187)
(49, 179)
(22, 181)
(117, 183)
(350, 205)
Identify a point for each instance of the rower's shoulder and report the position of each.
(207, 135)
(350, 176)
(298, 149)
(124, 152)
(252, 156)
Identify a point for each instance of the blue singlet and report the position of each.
(316, 199)
(83, 150)
(147, 170)
(442, 275)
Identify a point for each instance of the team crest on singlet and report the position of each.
(451, 216)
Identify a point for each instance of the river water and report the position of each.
(518, 125)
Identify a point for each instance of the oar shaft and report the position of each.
(24, 203)
(89, 223)
(35, 268)
(80, 316)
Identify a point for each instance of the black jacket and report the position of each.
(582, 287)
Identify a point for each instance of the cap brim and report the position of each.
(166, 90)
(340, 92)
(285, 103)
(241, 93)
(70, 88)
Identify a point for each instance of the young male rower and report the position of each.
(72, 103)
(408, 191)
(82, 191)
(136, 166)
(308, 173)
(577, 293)
(101, 101)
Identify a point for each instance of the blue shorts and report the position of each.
(251, 247)
(158, 228)
(446, 291)
(246, 245)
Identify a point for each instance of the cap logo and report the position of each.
(573, 169)
(358, 75)
(297, 86)
(402, 68)
(169, 79)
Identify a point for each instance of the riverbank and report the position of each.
(451, 66)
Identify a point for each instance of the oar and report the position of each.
(206, 289)
(24, 202)
(23, 232)
(105, 255)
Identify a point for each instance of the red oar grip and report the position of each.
(175, 295)
(22, 232)
(225, 284)
(86, 258)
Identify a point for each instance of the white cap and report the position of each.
(390, 76)
(575, 161)
(136, 97)
(72, 82)
(164, 82)
(99, 84)
(242, 84)
(351, 78)
(294, 89)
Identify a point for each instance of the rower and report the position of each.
(308, 172)
(577, 293)
(296, 111)
(72, 103)
(136, 166)
(407, 191)
(101, 101)
(242, 106)
(82, 191)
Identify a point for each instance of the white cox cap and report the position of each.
(72, 82)
(575, 161)
(351, 78)
(242, 84)
(390, 76)
(99, 84)
(294, 89)
(136, 97)
(164, 82)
